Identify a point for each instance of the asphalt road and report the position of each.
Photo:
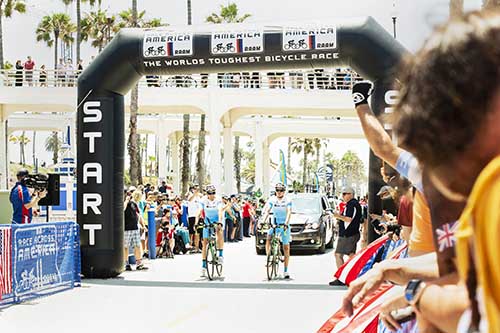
(171, 297)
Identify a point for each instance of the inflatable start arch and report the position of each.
(359, 43)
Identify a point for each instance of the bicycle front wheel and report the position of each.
(211, 261)
(270, 266)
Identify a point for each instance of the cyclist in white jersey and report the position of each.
(213, 209)
(281, 208)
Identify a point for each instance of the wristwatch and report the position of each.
(413, 292)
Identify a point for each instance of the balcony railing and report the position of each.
(329, 79)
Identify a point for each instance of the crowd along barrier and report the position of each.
(38, 259)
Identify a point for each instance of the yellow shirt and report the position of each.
(421, 238)
(480, 224)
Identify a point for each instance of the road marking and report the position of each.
(183, 318)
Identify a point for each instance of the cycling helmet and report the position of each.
(211, 189)
(280, 187)
(225, 197)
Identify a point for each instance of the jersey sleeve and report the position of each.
(269, 204)
(408, 167)
(26, 196)
(350, 210)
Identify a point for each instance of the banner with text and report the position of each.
(45, 258)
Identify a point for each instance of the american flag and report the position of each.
(446, 235)
(5, 261)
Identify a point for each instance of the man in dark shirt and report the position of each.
(132, 236)
(163, 187)
(349, 222)
(21, 200)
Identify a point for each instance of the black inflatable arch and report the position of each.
(360, 43)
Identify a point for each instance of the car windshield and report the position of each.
(305, 205)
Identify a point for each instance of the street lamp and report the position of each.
(394, 13)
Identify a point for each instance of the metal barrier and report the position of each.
(325, 79)
(38, 259)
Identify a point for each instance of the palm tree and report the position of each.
(34, 149)
(99, 27)
(7, 8)
(52, 144)
(289, 156)
(54, 28)
(228, 14)
(22, 140)
(200, 160)
(456, 8)
(79, 38)
(131, 18)
(185, 154)
(237, 163)
(306, 147)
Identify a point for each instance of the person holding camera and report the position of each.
(22, 201)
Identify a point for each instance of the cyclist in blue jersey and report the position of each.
(282, 210)
(213, 209)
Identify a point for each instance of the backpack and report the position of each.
(180, 246)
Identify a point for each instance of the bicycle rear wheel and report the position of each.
(211, 261)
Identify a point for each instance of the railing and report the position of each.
(326, 79)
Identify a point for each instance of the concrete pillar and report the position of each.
(72, 134)
(174, 155)
(4, 165)
(215, 166)
(258, 138)
(162, 151)
(162, 156)
(265, 168)
(228, 160)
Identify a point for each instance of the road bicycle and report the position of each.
(275, 255)
(213, 264)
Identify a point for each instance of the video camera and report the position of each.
(384, 228)
(40, 182)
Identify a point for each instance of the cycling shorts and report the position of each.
(205, 229)
(285, 234)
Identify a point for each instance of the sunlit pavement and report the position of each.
(171, 297)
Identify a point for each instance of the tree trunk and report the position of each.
(34, 150)
(189, 12)
(289, 156)
(200, 163)
(55, 55)
(304, 167)
(133, 149)
(134, 13)
(456, 8)
(78, 29)
(185, 155)
(1, 38)
(237, 163)
(55, 152)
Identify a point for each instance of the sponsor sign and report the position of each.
(159, 44)
(224, 42)
(44, 257)
(309, 38)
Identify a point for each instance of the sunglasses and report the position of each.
(280, 190)
(345, 193)
(210, 193)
